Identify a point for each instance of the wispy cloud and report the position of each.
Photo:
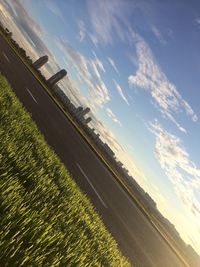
(158, 34)
(112, 63)
(71, 89)
(79, 61)
(88, 70)
(27, 33)
(181, 171)
(108, 137)
(120, 91)
(82, 30)
(150, 77)
(53, 7)
(98, 62)
(105, 17)
(197, 20)
(109, 20)
(113, 116)
(15, 17)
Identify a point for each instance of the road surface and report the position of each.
(136, 237)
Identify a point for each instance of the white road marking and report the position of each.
(31, 95)
(91, 185)
(6, 57)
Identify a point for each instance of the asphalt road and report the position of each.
(136, 237)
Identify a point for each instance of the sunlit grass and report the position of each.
(45, 220)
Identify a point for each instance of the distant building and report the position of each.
(82, 112)
(88, 120)
(120, 164)
(79, 110)
(65, 100)
(57, 77)
(40, 62)
(7, 30)
(109, 150)
(125, 171)
(2, 26)
(85, 111)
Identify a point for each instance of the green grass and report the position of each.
(45, 220)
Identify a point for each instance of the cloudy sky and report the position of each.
(137, 65)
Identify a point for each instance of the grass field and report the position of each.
(45, 220)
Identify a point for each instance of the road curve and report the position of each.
(136, 237)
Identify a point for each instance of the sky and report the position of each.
(136, 64)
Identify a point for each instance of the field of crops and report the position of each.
(45, 220)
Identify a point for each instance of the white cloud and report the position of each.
(88, 71)
(112, 116)
(79, 61)
(93, 39)
(112, 63)
(53, 7)
(181, 171)
(197, 20)
(70, 88)
(120, 91)
(158, 34)
(27, 33)
(104, 16)
(108, 137)
(82, 30)
(98, 62)
(95, 69)
(150, 77)
(9, 20)
(109, 19)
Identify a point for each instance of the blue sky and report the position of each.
(137, 65)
